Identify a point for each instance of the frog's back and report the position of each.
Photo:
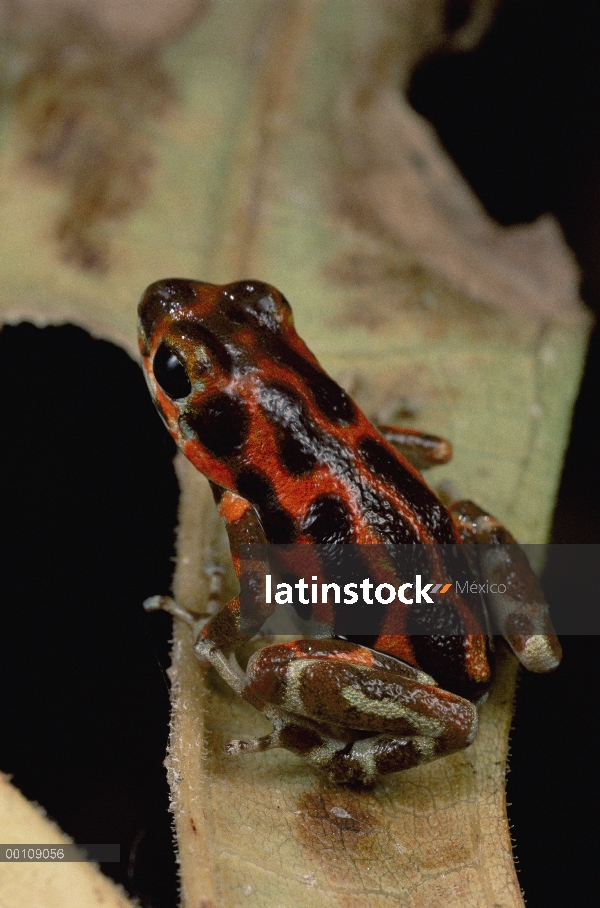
(265, 420)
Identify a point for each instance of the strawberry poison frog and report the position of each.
(291, 459)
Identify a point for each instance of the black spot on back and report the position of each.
(298, 438)
(255, 303)
(278, 524)
(443, 657)
(386, 520)
(328, 520)
(221, 424)
(331, 400)
(429, 511)
(295, 456)
(161, 297)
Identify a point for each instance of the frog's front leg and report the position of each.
(353, 712)
(228, 619)
(420, 449)
(520, 612)
(215, 636)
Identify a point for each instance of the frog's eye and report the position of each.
(170, 374)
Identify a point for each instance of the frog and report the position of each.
(291, 459)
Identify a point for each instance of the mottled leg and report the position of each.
(520, 611)
(421, 450)
(351, 711)
(358, 762)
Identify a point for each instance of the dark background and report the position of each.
(521, 117)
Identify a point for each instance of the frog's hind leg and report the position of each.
(520, 612)
(421, 450)
(359, 762)
(352, 712)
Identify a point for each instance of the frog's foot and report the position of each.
(215, 574)
(346, 762)
(217, 637)
(293, 733)
(520, 611)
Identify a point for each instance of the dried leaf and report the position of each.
(292, 156)
(47, 884)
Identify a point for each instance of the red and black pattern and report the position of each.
(269, 423)
(293, 460)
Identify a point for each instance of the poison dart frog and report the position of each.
(292, 459)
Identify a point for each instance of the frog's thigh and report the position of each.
(516, 601)
(349, 696)
(355, 723)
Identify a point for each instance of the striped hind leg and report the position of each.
(352, 712)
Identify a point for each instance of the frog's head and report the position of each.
(204, 349)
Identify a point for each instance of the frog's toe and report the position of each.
(157, 603)
(167, 604)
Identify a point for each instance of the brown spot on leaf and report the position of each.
(193, 826)
(337, 816)
(86, 103)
